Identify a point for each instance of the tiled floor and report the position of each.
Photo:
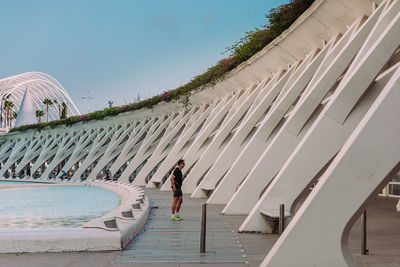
(163, 241)
(166, 243)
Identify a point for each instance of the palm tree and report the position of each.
(59, 107)
(48, 102)
(39, 115)
(14, 116)
(3, 101)
(64, 112)
(8, 105)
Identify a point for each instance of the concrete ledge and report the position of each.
(127, 227)
(92, 236)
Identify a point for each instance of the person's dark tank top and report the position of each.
(178, 177)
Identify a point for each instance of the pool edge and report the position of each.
(93, 236)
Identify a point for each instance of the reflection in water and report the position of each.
(53, 207)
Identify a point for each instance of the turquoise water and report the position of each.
(53, 207)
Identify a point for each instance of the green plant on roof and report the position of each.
(47, 102)
(39, 114)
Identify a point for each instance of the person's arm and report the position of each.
(173, 182)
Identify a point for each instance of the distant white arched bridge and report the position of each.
(41, 86)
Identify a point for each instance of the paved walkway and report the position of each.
(177, 243)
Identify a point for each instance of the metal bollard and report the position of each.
(281, 218)
(364, 250)
(203, 228)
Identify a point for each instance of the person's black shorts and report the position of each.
(178, 192)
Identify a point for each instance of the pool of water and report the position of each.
(14, 182)
(53, 207)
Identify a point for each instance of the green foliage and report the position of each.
(48, 102)
(39, 114)
(279, 19)
(64, 111)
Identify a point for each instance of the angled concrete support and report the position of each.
(16, 154)
(205, 135)
(97, 148)
(172, 134)
(114, 148)
(181, 146)
(6, 150)
(33, 151)
(148, 146)
(364, 164)
(136, 137)
(82, 148)
(65, 149)
(324, 131)
(222, 139)
(272, 122)
(302, 116)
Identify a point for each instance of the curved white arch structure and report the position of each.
(41, 86)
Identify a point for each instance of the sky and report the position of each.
(115, 50)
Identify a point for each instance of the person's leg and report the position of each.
(178, 206)
(174, 204)
(179, 203)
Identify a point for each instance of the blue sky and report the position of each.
(117, 49)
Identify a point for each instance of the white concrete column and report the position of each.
(65, 149)
(114, 147)
(334, 64)
(209, 132)
(271, 124)
(222, 139)
(96, 149)
(357, 84)
(33, 151)
(16, 154)
(148, 146)
(165, 145)
(82, 148)
(180, 147)
(367, 161)
(6, 149)
(136, 137)
(203, 138)
(49, 149)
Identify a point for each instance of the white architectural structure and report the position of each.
(40, 86)
(314, 109)
(26, 113)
